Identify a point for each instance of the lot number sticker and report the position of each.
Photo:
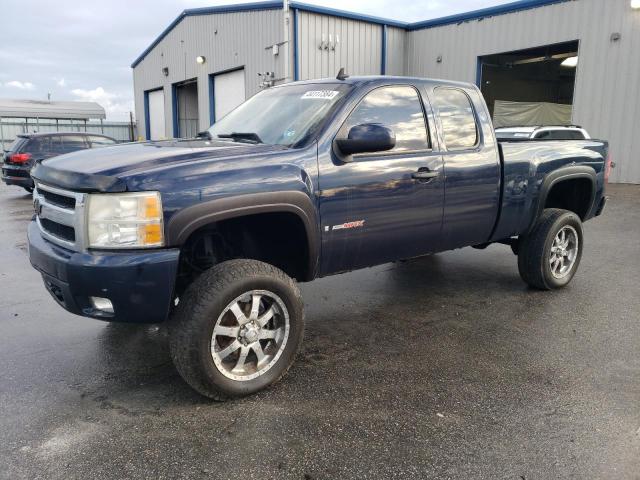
(320, 94)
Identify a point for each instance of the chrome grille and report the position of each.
(60, 215)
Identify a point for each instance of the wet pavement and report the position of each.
(445, 367)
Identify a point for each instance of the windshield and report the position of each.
(284, 115)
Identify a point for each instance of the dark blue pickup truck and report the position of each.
(301, 181)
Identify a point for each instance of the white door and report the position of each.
(156, 115)
(228, 89)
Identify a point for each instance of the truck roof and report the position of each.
(60, 134)
(383, 80)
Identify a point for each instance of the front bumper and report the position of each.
(139, 284)
(17, 175)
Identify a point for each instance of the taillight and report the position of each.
(20, 157)
(607, 168)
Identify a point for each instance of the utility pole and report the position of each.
(131, 133)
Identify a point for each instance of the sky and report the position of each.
(83, 49)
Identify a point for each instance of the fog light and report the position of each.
(101, 304)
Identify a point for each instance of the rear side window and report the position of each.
(38, 146)
(456, 116)
(100, 141)
(72, 143)
(398, 108)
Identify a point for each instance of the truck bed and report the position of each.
(526, 165)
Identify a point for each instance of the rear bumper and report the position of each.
(17, 175)
(138, 284)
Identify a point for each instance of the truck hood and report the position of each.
(104, 169)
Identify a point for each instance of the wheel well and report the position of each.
(573, 194)
(279, 239)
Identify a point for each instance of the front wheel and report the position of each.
(549, 256)
(237, 329)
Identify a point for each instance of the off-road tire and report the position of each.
(191, 325)
(534, 250)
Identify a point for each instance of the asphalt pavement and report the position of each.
(443, 367)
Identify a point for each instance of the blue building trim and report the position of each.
(174, 110)
(345, 14)
(296, 63)
(212, 99)
(483, 13)
(147, 126)
(277, 4)
(383, 66)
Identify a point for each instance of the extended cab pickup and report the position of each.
(301, 181)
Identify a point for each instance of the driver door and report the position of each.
(379, 207)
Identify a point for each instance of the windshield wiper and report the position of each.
(205, 135)
(247, 137)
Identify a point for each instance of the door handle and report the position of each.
(424, 174)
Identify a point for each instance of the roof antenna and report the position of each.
(341, 75)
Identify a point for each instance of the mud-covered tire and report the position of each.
(535, 255)
(207, 301)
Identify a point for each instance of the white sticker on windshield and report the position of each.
(320, 94)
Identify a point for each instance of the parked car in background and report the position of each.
(29, 148)
(570, 132)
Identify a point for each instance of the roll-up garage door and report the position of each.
(156, 115)
(228, 91)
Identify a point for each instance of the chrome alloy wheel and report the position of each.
(564, 251)
(250, 335)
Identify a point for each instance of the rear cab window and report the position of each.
(459, 126)
(397, 107)
(560, 135)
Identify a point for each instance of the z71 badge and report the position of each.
(345, 226)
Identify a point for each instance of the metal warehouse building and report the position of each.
(211, 59)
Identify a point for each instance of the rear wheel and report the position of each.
(237, 329)
(549, 256)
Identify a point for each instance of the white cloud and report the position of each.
(20, 85)
(116, 106)
(99, 95)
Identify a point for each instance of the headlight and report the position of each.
(125, 220)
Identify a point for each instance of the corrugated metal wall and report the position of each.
(396, 51)
(607, 98)
(227, 40)
(358, 50)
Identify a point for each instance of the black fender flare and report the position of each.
(186, 221)
(570, 172)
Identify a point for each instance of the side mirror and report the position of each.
(366, 138)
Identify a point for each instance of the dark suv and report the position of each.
(29, 148)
